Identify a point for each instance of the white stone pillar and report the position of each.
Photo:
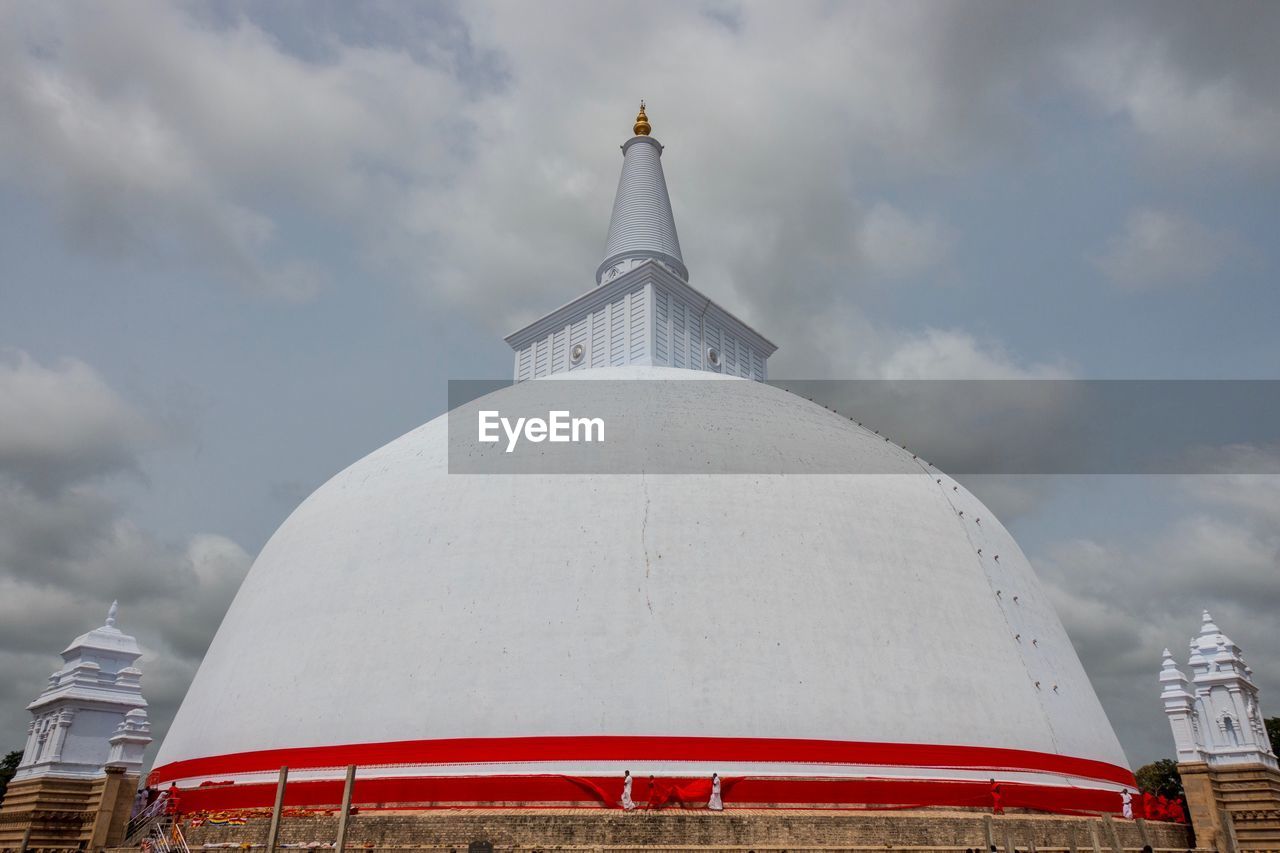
(42, 741)
(61, 726)
(33, 745)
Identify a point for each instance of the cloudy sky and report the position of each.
(242, 245)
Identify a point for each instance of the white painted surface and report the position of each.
(611, 333)
(648, 316)
(399, 602)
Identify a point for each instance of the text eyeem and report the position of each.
(559, 426)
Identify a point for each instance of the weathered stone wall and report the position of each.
(743, 830)
(66, 814)
(1234, 809)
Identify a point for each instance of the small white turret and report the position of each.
(1179, 706)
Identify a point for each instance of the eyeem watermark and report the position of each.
(1009, 427)
(558, 426)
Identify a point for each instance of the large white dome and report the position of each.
(802, 626)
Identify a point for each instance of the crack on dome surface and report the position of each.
(644, 544)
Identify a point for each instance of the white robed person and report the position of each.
(717, 803)
(1126, 802)
(140, 802)
(627, 802)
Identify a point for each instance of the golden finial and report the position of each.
(642, 127)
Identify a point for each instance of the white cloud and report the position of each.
(1160, 248)
(954, 354)
(897, 245)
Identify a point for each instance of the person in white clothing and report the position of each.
(716, 804)
(627, 802)
(1126, 800)
(140, 801)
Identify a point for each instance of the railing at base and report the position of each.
(166, 837)
(140, 824)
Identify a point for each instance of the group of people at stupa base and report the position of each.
(700, 792)
(1149, 806)
(707, 793)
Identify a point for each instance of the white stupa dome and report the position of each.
(814, 637)
(402, 603)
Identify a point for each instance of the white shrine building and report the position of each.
(1216, 718)
(85, 746)
(1225, 760)
(92, 712)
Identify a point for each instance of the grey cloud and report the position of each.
(1160, 248)
(68, 548)
(1124, 600)
(40, 622)
(445, 154)
(315, 31)
(174, 624)
(290, 493)
(1242, 476)
(41, 536)
(760, 206)
(897, 245)
(62, 423)
(152, 134)
(1010, 497)
(155, 138)
(1196, 81)
(775, 164)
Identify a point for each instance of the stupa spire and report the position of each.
(642, 227)
(643, 310)
(642, 126)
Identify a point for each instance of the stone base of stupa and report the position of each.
(1234, 808)
(57, 813)
(791, 830)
